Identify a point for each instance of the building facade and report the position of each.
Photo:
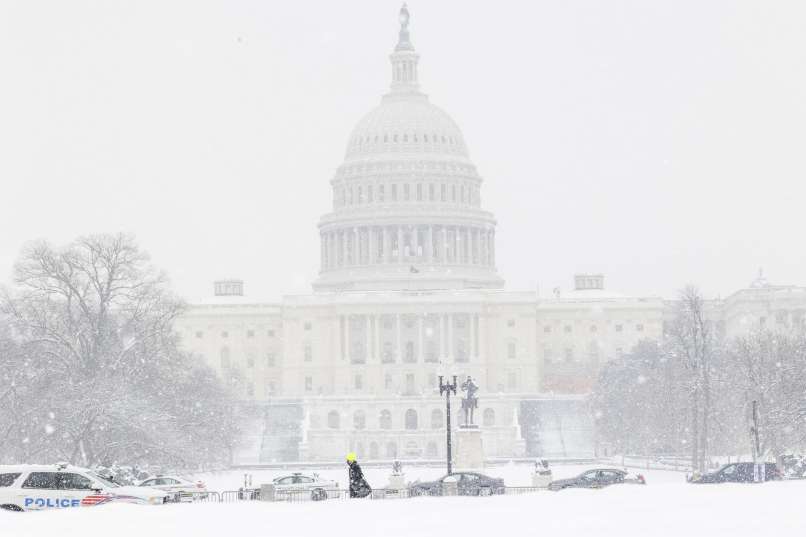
(409, 291)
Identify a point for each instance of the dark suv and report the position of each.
(737, 472)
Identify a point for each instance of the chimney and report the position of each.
(584, 282)
(228, 287)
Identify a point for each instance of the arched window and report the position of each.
(333, 419)
(391, 450)
(359, 419)
(225, 358)
(436, 419)
(374, 452)
(488, 420)
(431, 450)
(385, 419)
(411, 419)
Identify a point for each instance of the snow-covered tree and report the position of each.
(97, 374)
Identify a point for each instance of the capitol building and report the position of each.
(409, 290)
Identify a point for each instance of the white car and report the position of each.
(184, 488)
(297, 485)
(30, 487)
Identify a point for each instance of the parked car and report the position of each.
(29, 487)
(297, 484)
(598, 478)
(737, 472)
(186, 489)
(467, 484)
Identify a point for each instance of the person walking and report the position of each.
(359, 488)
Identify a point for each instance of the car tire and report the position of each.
(485, 491)
(10, 507)
(318, 495)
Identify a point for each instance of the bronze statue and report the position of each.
(470, 402)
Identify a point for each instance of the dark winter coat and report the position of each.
(359, 487)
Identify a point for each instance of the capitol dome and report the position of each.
(407, 199)
(406, 123)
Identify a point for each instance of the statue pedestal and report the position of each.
(469, 453)
(397, 482)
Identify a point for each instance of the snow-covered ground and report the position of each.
(667, 506)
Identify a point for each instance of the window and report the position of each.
(442, 191)
(333, 420)
(225, 362)
(488, 418)
(639, 327)
(224, 334)
(270, 359)
(409, 383)
(373, 451)
(199, 334)
(387, 381)
(431, 450)
(567, 329)
(40, 480)
(250, 389)
(308, 384)
(358, 382)
(308, 353)
(411, 420)
(385, 419)
(511, 323)
(391, 450)
(619, 328)
(250, 333)
(6, 480)
(70, 481)
(569, 354)
(307, 326)
(409, 357)
(359, 420)
(369, 194)
(270, 388)
(511, 350)
(250, 361)
(419, 192)
(380, 192)
(546, 329)
(431, 191)
(593, 328)
(394, 192)
(512, 381)
(547, 355)
(270, 333)
(406, 192)
(436, 419)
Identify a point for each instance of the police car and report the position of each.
(186, 489)
(28, 487)
(297, 485)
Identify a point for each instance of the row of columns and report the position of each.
(447, 344)
(378, 245)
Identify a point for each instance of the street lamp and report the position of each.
(447, 388)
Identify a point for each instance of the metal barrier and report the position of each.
(314, 495)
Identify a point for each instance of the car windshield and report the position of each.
(104, 481)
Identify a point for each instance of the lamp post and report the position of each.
(447, 388)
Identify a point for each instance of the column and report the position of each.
(443, 337)
(399, 244)
(429, 245)
(347, 335)
(371, 245)
(420, 351)
(387, 250)
(343, 239)
(475, 335)
(492, 248)
(398, 342)
(357, 246)
(450, 337)
(376, 331)
(415, 243)
(342, 337)
(368, 351)
(444, 244)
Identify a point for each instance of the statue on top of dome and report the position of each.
(403, 42)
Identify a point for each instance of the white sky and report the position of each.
(658, 142)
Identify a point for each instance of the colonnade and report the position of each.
(407, 244)
(431, 338)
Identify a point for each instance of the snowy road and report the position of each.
(665, 507)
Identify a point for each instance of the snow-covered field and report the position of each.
(665, 506)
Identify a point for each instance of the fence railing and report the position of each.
(344, 494)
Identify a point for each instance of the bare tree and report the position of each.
(94, 321)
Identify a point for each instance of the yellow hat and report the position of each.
(351, 456)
